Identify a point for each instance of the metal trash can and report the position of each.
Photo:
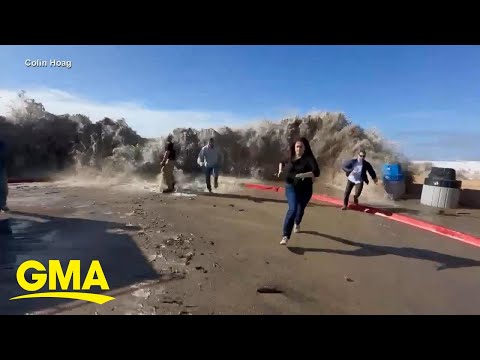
(441, 189)
(393, 181)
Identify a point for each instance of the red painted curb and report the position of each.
(440, 230)
(263, 187)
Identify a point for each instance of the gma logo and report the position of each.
(95, 277)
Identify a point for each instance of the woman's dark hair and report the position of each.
(306, 144)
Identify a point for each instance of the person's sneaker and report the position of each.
(296, 229)
(355, 200)
(4, 208)
(215, 184)
(344, 208)
(167, 191)
(284, 241)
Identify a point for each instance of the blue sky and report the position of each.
(427, 98)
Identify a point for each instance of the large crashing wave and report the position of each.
(257, 151)
(42, 143)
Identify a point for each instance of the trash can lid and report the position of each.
(451, 184)
(443, 173)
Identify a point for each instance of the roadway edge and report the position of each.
(420, 224)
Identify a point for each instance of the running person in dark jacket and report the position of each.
(356, 171)
(300, 169)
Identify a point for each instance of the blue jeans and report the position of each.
(209, 171)
(297, 202)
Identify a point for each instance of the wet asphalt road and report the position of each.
(25, 236)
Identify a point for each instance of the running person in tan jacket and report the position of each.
(168, 165)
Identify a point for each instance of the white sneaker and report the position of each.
(296, 229)
(284, 241)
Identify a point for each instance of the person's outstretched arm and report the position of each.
(315, 170)
(280, 169)
(347, 166)
(372, 173)
(201, 158)
(315, 167)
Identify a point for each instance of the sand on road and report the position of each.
(211, 254)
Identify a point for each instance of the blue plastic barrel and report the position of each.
(393, 181)
(393, 172)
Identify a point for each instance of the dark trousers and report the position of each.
(3, 187)
(297, 202)
(348, 190)
(209, 171)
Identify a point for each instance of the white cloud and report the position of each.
(147, 122)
